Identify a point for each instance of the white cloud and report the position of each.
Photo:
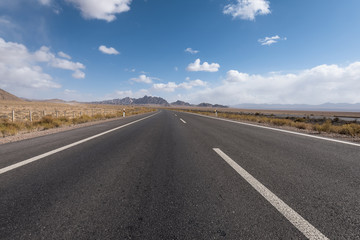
(5, 22)
(235, 76)
(64, 55)
(205, 67)
(20, 70)
(190, 50)
(107, 50)
(143, 79)
(270, 40)
(321, 84)
(103, 10)
(247, 9)
(168, 87)
(45, 2)
(172, 86)
(176, 69)
(123, 94)
(44, 55)
(78, 74)
(69, 91)
(126, 93)
(193, 83)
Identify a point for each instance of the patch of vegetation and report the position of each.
(8, 128)
(306, 123)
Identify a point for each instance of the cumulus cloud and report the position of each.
(167, 87)
(143, 79)
(247, 9)
(321, 84)
(63, 55)
(78, 74)
(103, 10)
(172, 86)
(205, 67)
(235, 76)
(107, 50)
(21, 70)
(44, 55)
(190, 50)
(18, 70)
(270, 40)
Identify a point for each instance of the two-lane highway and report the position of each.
(160, 176)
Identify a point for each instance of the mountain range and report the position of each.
(149, 100)
(337, 107)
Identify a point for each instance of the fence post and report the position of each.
(44, 113)
(30, 116)
(13, 116)
(124, 112)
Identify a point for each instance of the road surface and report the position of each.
(172, 175)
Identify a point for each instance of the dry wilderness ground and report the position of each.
(322, 123)
(18, 118)
(39, 109)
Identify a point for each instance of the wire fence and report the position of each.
(34, 115)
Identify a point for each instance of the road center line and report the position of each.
(182, 120)
(298, 221)
(279, 130)
(36, 158)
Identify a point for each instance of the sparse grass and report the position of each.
(322, 125)
(8, 128)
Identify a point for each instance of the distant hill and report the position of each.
(211, 105)
(180, 103)
(303, 107)
(151, 100)
(136, 101)
(5, 96)
(52, 101)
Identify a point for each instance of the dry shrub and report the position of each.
(326, 127)
(8, 128)
(279, 122)
(47, 122)
(352, 129)
(349, 129)
(300, 125)
(82, 119)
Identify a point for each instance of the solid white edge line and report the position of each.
(298, 221)
(182, 120)
(33, 159)
(279, 130)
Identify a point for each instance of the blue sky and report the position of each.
(217, 51)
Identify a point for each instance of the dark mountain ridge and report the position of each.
(136, 101)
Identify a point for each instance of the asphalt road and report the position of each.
(160, 178)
